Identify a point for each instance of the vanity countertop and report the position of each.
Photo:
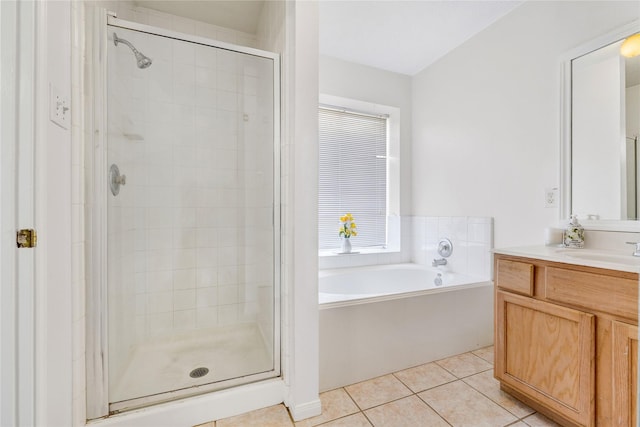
(611, 260)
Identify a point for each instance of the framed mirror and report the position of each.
(601, 128)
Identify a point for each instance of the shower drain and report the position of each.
(199, 372)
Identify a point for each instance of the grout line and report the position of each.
(434, 410)
(416, 393)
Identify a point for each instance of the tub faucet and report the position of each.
(445, 249)
(437, 262)
(637, 251)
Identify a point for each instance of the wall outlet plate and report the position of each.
(551, 196)
(59, 108)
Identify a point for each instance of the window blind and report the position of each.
(353, 176)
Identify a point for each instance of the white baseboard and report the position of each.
(306, 410)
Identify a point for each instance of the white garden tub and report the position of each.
(381, 319)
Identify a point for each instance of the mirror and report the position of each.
(601, 176)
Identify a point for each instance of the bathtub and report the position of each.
(381, 319)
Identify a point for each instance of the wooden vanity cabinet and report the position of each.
(566, 340)
(625, 374)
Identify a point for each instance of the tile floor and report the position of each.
(459, 391)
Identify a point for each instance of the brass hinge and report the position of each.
(27, 238)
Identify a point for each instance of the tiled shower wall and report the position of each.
(187, 134)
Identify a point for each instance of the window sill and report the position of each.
(357, 251)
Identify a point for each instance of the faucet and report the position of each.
(445, 248)
(636, 252)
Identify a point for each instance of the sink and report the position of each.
(600, 256)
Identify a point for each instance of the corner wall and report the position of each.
(486, 117)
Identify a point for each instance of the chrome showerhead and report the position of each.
(142, 60)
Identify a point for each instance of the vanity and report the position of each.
(566, 333)
(566, 320)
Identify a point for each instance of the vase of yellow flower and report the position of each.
(347, 229)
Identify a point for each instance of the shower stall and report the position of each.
(184, 293)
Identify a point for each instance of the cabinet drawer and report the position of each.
(614, 295)
(515, 276)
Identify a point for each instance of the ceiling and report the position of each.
(240, 15)
(403, 36)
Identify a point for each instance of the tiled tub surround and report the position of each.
(415, 239)
(472, 239)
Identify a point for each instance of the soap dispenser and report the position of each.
(574, 234)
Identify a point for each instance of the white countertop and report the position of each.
(612, 260)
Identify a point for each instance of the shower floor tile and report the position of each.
(456, 391)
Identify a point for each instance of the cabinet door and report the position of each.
(546, 352)
(625, 374)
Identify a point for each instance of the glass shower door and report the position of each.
(192, 240)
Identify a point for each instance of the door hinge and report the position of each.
(27, 238)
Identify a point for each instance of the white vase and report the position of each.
(345, 248)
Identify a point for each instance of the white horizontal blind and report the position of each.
(353, 176)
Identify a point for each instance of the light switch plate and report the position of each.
(59, 108)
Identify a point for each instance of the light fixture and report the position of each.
(630, 47)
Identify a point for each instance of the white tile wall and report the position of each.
(179, 223)
(472, 238)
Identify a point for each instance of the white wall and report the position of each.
(56, 193)
(486, 117)
(300, 209)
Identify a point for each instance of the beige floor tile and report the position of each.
(377, 391)
(486, 353)
(355, 420)
(209, 424)
(539, 420)
(424, 377)
(273, 416)
(464, 364)
(463, 406)
(490, 387)
(407, 412)
(335, 404)
(518, 424)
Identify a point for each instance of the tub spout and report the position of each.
(437, 262)
(438, 280)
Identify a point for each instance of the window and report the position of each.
(353, 175)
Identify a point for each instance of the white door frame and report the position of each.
(17, 82)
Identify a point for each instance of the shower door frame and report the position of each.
(97, 354)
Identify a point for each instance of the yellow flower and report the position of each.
(347, 226)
